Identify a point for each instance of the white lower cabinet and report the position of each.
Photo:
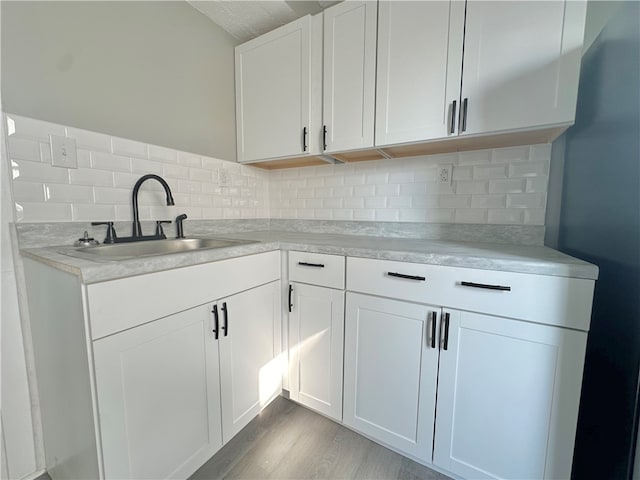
(508, 394)
(390, 372)
(159, 397)
(503, 393)
(250, 369)
(316, 324)
(172, 391)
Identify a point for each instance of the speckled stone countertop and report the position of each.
(487, 256)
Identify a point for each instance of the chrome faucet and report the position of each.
(137, 228)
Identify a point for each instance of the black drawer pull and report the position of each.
(410, 277)
(445, 344)
(225, 326)
(290, 293)
(306, 264)
(215, 319)
(485, 286)
(434, 318)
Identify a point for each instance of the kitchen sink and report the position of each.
(125, 251)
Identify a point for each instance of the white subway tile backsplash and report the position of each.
(144, 167)
(489, 172)
(471, 187)
(93, 213)
(161, 154)
(534, 216)
(511, 185)
(529, 169)
(24, 149)
(87, 176)
(506, 216)
(58, 193)
(90, 140)
(454, 201)
(511, 154)
(489, 201)
(537, 185)
(399, 202)
(387, 215)
(110, 162)
(24, 170)
(364, 190)
(471, 215)
(505, 185)
(526, 200)
(31, 128)
(43, 212)
(28, 192)
(131, 148)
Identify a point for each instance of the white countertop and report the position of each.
(487, 256)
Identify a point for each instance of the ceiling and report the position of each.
(247, 19)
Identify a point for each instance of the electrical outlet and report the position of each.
(223, 178)
(63, 151)
(444, 174)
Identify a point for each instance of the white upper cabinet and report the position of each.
(274, 93)
(419, 67)
(521, 64)
(349, 75)
(519, 70)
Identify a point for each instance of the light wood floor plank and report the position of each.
(287, 441)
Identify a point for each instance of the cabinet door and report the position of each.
(508, 394)
(273, 93)
(159, 397)
(419, 67)
(390, 372)
(521, 63)
(250, 371)
(349, 74)
(316, 324)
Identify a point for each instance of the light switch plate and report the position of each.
(63, 151)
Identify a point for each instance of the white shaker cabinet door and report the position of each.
(273, 93)
(419, 68)
(521, 63)
(159, 397)
(349, 75)
(508, 394)
(316, 325)
(391, 365)
(250, 371)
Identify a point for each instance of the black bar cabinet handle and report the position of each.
(225, 325)
(306, 264)
(324, 137)
(304, 139)
(215, 321)
(410, 277)
(445, 344)
(434, 317)
(290, 293)
(485, 286)
(463, 124)
(452, 127)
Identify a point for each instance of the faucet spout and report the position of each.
(137, 228)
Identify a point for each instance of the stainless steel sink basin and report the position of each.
(124, 251)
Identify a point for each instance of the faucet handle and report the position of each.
(159, 230)
(111, 231)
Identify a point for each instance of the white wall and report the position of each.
(18, 436)
(157, 71)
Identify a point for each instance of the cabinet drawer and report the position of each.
(120, 304)
(544, 299)
(317, 269)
